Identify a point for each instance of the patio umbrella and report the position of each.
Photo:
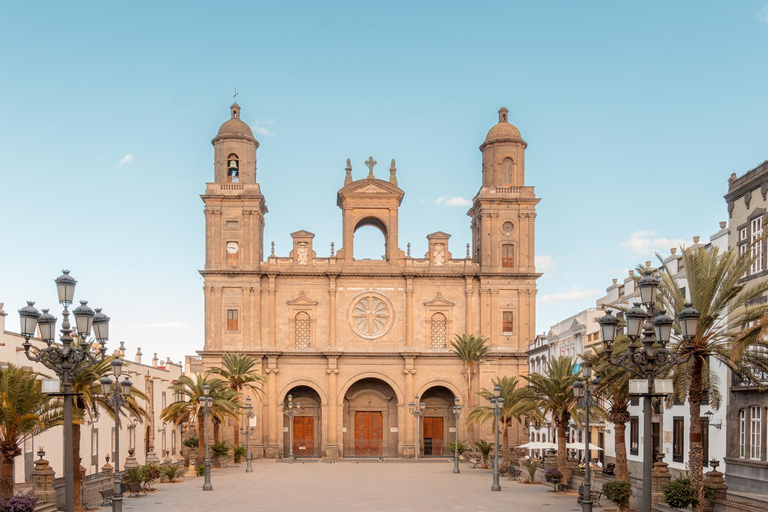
(538, 445)
(580, 446)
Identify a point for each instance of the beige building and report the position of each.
(355, 340)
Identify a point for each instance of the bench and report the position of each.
(596, 495)
(514, 474)
(134, 488)
(106, 496)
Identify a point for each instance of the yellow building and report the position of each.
(355, 340)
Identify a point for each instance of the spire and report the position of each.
(235, 108)
(503, 115)
(348, 177)
(392, 172)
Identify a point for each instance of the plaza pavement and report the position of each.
(392, 486)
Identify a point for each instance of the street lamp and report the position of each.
(497, 402)
(456, 414)
(207, 402)
(649, 357)
(417, 409)
(248, 416)
(66, 360)
(290, 412)
(116, 397)
(583, 393)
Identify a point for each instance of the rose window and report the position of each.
(371, 317)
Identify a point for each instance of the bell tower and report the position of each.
(504, 210)
(234, 205)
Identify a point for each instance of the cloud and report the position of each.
(545, 263)
(127, 159)
(453, 201)
(570, 296)
(162, 325)
(260, 127)
(763, 14)
(645, 243)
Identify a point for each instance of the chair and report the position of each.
(608, 469)
(514, 474)
(134, 488)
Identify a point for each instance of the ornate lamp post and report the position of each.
(417, 409)
(207, 402)
(66, 360)
(119, 393)
(456, 414)
(248, 416)
(648, 357)
(290, 412)
(497, 402)
(582, 391)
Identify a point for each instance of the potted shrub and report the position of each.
(171, 473)
(150, 473)
(619, 493)
(678, 493)
(238, 453)
(220, 453)
(19, 503)
(485, 450)
(461, 450)
(553, 476)
(531, 465)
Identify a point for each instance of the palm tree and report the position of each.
(24, 412)
(471, 350)
(189, 409)
(518, 402)
(86, 403)
(614, 389)
(730, 331)
(239, 372)
(554, 389)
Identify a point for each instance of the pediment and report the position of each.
(438, 235)
(439, 300)
(302, 234)
(371, 186)
(302, 300)
(576, 326)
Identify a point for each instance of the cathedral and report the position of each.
(355, 343)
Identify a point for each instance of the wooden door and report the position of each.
(304, 436)
(433, 436)
(369, 433)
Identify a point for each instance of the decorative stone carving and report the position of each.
(371, 315)
(439, 256)
(303, 253)
(747, 199)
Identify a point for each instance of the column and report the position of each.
(216, 315)
(468, 307)
(208, 237)
(408, 420)
(272, 310)
(255, 314)
(332, 419)
(247, 296)
(409, 311)
(274, 426)
(332, 311)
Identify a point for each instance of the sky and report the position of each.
(635, 114)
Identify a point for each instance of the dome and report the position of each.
(235, 127)
(504, 130)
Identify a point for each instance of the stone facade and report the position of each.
(746, 468)
(355, 340)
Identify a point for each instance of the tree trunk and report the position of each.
(562, 460)
(504, 447)
(696, 453)
(7, 471)
(215, 430)
(236, 437)
(200, 440)
(76, 465)
(622, 469)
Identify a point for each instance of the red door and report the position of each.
(303, 436)
(433, 436)
(369, 433)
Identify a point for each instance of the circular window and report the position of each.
(370, 315)
(507, 228)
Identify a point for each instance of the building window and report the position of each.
(678, 439)
(743, 433)
(507, 322)
(173, 442)
(757, 244)
(301, 330)
(232, 325)
(506, 170)
(507, 256)
(755, 432)
(439, 329)
(232, 224)
(634, 435)
(162, 400)
(95, 447)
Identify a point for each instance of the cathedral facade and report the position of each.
(354, 342)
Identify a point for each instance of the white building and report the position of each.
(97, 440)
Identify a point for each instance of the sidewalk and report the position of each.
(349, 486)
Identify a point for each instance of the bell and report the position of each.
(233, 164)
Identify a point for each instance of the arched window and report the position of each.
(506, 170)
(507, 256)
(233, 169)
(302, 335)
(439, 330)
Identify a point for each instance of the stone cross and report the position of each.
(234, 96)
(370, 163)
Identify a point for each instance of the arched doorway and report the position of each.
(438, 424)
(370, 419)
(307, 423)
